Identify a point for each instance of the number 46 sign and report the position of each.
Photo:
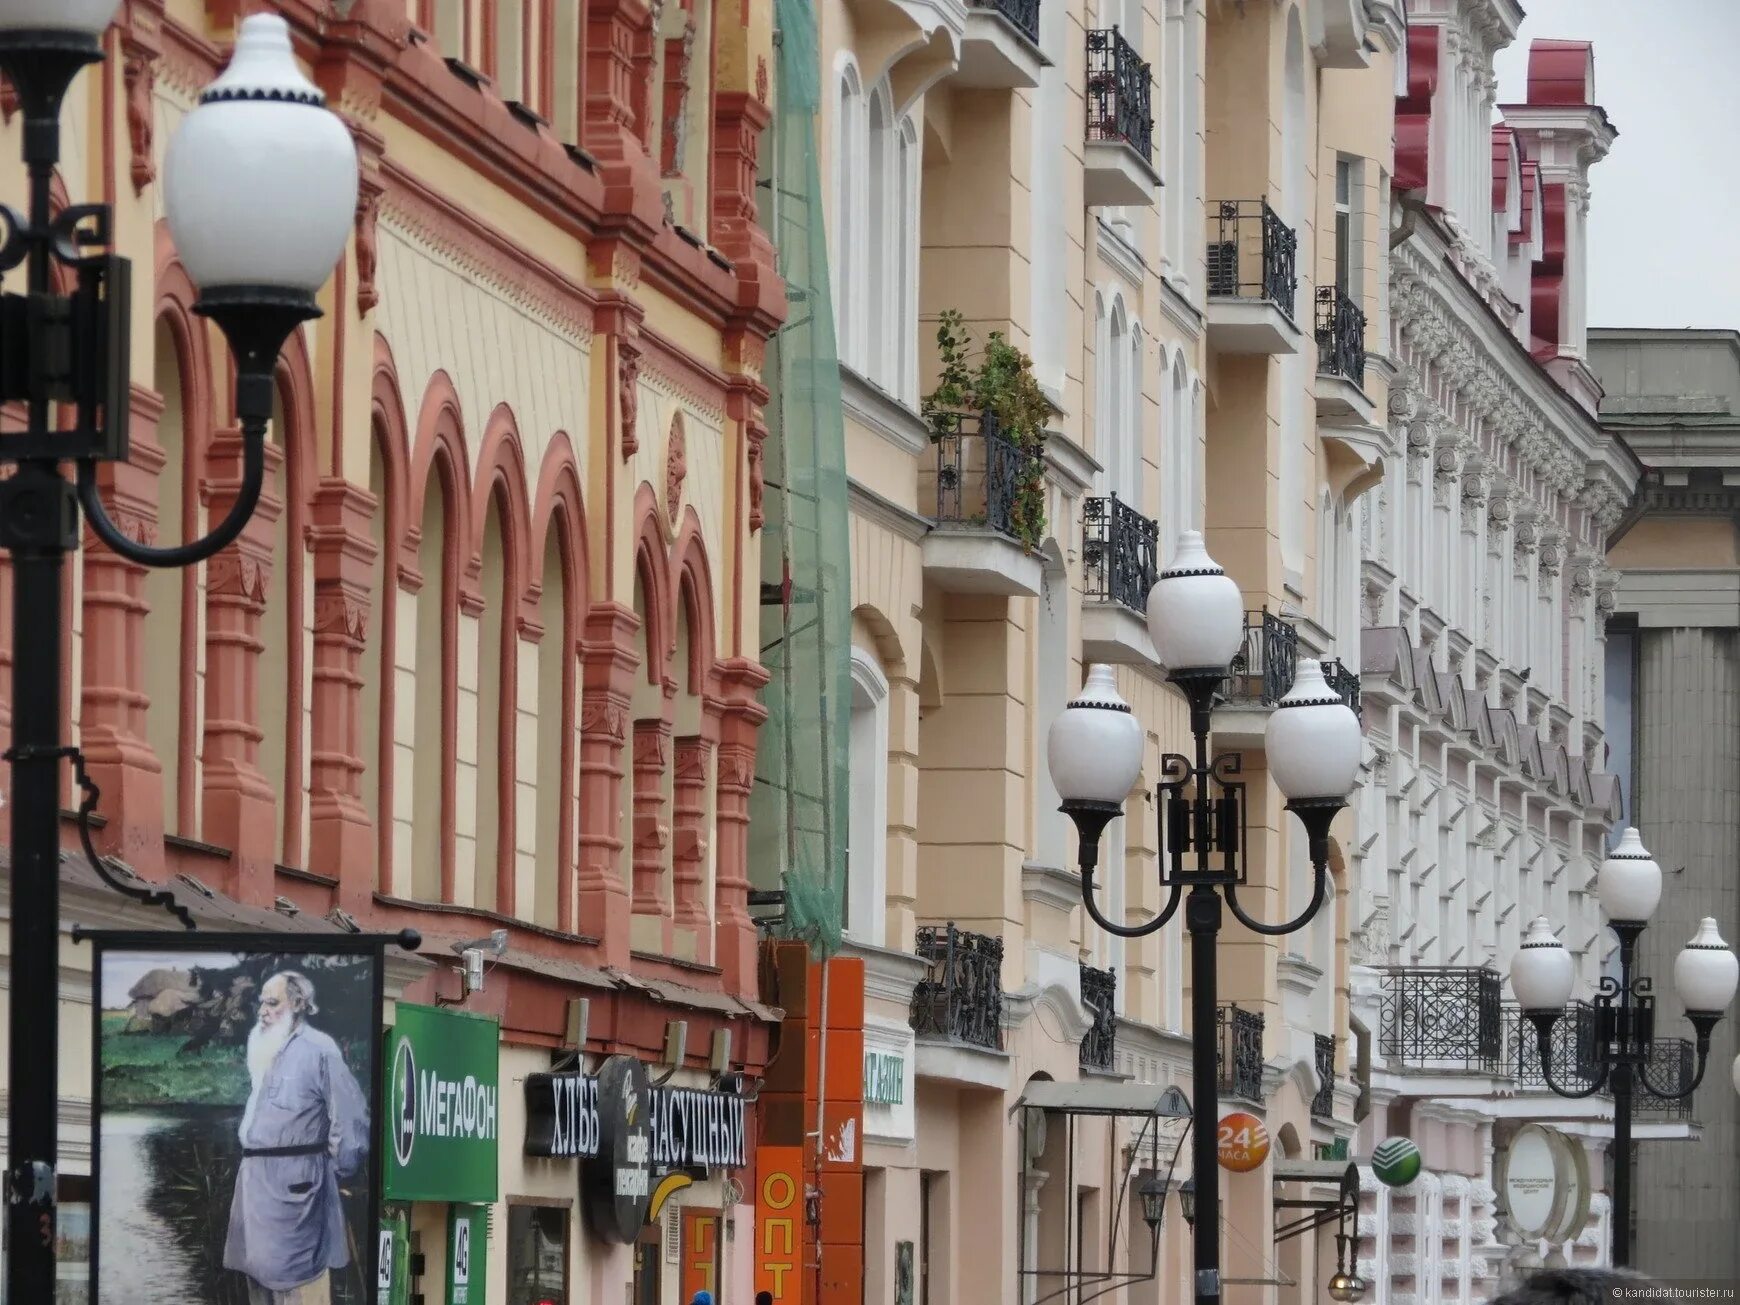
(1243, 1142)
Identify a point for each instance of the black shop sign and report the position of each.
(626, 1133)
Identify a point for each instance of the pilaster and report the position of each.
(734, 932)
(342, 840)
(609, 658)
(694, 763)
(239, 808)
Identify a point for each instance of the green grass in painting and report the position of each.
(149, 1069)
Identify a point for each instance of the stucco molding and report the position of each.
(880, 413)
(885, 512)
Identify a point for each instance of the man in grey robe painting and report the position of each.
(305, 1127)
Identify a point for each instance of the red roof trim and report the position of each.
(1414, 110)
(1562, 73)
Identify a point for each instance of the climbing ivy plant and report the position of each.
(996, 382)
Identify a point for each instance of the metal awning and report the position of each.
(1311, 1171)
(1092, 1097)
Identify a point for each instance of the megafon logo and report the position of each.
(630, 1101)
(405, 1094)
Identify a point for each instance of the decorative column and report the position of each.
(652, 835)
(694, 756)
(112, 710)
(609, 659)
(240, 811)
(342, 840)
(733, 931)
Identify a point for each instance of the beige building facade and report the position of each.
(1178, 211)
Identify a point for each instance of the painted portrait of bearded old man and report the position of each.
(235, 1128)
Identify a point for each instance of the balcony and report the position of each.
(1240, 1038)
(1342, 682)
(1000, 47)
(1120, 563)
(1672, 1062)
(1098, 993)
(1442, 1019)
(1341, 358)
(1253, 279)
(1120, 127)
(960, 999)
(986, 486)
(1259, 676)
(1323, 1104)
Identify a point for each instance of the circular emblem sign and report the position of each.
(616, 1184)
(1396, 1161)
(1530, 1184)
(404, 1097)
(1244, 1142)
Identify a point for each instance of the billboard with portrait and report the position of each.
(236, 1154)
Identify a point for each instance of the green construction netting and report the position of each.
(798, 812)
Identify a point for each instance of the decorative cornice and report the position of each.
(882, 414)
(867, 503)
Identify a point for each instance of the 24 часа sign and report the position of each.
(442, 1112)
(625, 1131)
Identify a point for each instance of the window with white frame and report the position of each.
(874, 235)
(1179, 485)
(1117, 394)
(867, 816)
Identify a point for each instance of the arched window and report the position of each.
(168, 590)
(1181, 446)
(495, 647)
(557, 712)
(432, 674)
(904, 279)
(846, 246)
(1119, 437)
(875, 285)
(867, 830)
(378, 670)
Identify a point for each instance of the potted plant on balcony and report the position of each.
(1000, 391)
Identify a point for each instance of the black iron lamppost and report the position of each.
(1313, 744)
(260, 189)
(1706, 974)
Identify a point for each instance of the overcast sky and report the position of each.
(1664, 212)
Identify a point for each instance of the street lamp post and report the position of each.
(1706, 974)
(260, 189)
(1196, 619)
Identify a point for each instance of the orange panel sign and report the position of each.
(779, 1222)
(700, 1252)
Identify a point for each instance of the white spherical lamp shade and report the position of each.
(260, 180)
(1196, 615)
(1313, 739)
(1630, 882)
(1737, 1073)
(1541, 975)
(1095, 746)
(1706, 973)
(87, 17)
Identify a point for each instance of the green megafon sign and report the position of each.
(442, 1116)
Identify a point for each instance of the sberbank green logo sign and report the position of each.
(443, 1107)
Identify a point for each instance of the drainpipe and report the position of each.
(1413, 204)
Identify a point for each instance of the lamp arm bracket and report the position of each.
(1544, 1044)
(1319, 888)
(1142, 930)
(219, 538)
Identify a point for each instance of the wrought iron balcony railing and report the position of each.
(1572, 1050)
(1323, 1104)
(1672, 1062)
(1343, 682)
(1120, 90)
(1240, 1034)
(1443, 1018)
(1262, 670)
(1098, 991)
(1340, 335)
(980, 475)
(1023, 15)
(1120, 552)
(1252, 254)
(961, 997)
